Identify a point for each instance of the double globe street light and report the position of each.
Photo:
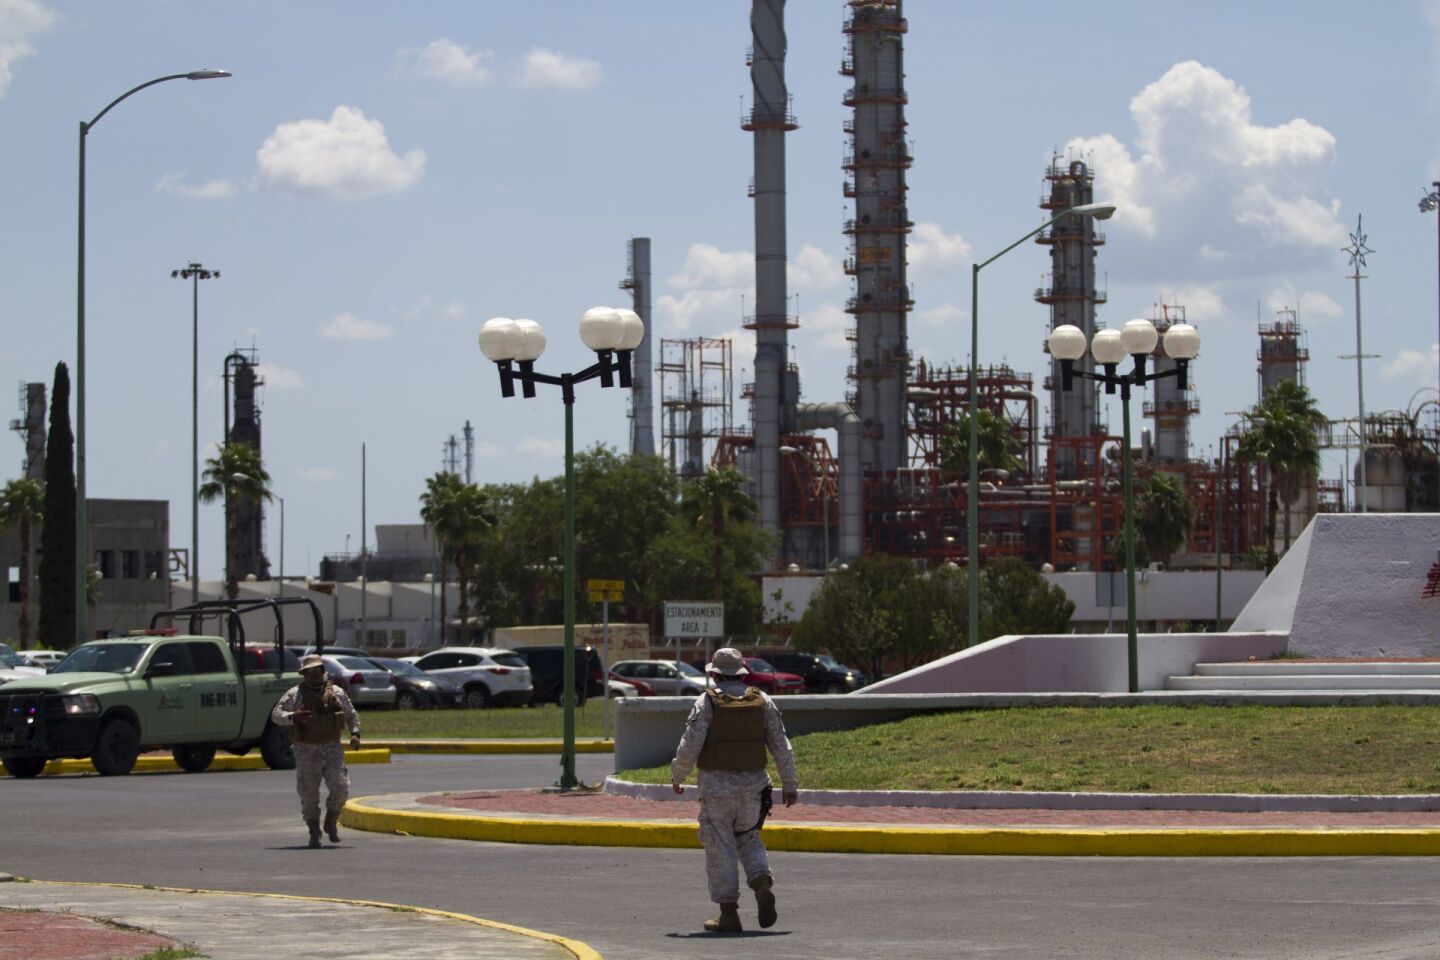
(1138, 340)
(514, 346)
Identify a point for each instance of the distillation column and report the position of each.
(1072, 297)
(246, 553)
(875, 166)
(1172, 407)
(642, 371)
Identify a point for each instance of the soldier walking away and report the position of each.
(318, 713)
(726, 735)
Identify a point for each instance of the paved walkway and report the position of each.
(231, 926)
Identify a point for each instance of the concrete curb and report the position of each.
(222, 762)
(578, 949)
(365, 814)
(493, 746)
(1039, 800)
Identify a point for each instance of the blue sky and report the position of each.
(378, 179)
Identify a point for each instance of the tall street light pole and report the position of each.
(82, 610)
(1429, 202)
(1109, 347)
(1357, 251)
(195, 272)
(1100, 211)
(282, 545)
(613, 335)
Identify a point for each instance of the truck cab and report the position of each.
(186, 690)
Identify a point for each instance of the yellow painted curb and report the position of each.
(493, 746)
(221, 762)
(576, 948)
(957, 841)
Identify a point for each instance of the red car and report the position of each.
(642, 688)
(772, 681)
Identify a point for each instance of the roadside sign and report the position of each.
(694, 619)
(606, 590)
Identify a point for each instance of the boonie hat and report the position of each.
(727, 662)
(312, 662)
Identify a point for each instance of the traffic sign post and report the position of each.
(602, 592)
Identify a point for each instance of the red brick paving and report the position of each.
(32, 935)
(612, 807)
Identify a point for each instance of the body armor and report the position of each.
(326, 723)
(736, 739)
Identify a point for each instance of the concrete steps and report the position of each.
(1273, 675)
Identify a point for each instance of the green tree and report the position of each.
(460, 514)
(998, 449)
(1015, 599)
(235, 475)
(21, 506)
(859, 613)
(712, 499)
(680, 565)
(935, 615)
(59, 570)
(1282, 436)
(1165, 516)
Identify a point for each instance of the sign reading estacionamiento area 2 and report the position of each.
(689, 619)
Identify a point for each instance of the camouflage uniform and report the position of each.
(730, 800)
(316, 761)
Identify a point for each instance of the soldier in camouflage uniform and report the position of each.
(726, 735)
(318, 712)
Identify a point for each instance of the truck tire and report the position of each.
(194, 758)
(117, 748)
(477, 696)
(275, 748)
(23, 768)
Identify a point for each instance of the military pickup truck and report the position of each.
(168, 687)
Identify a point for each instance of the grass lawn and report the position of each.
(1161, 749)
(541, 721)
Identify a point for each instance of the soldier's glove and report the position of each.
(789, 799)
(355, 743)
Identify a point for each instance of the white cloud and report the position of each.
(1415, 364)
(828, 323)
(347, 326)
(537, 447)
(812, 268)
(551, 70)
(175, 185)
(280, 378)
(454, 310)
(1203, 304)
(1207, 185)
(347, 157)
(19, 21)
(678, 314)
(489, 450)
(317, 474)
(424, 309)
(930, 248)
(706, 265)
(1309, 304)
(944, 314)
(446, 61)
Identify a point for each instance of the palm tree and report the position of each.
(460, 514)
(22, 503)
(1165, 516)
(714, 498)
(998, 448)
(236, 475)
(1282, 436)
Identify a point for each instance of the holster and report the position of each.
(767, 801)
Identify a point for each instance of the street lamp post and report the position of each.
(282, 545)
(1109, 347)
(1100, 211)
(824, 503)
(512, 344)
(82, 613)
(1429, 202)
(195, 272)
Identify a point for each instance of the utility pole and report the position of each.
(1357, 251)
(195, 272)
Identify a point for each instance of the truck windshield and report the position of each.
(101, 658)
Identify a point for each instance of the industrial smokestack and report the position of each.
(642, 369)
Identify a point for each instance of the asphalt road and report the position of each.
(241, 831)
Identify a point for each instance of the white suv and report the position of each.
(490, 677)
(670, 678)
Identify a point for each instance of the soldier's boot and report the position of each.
(765, 899)
(314, 826)
(727, 922)
(332, 826)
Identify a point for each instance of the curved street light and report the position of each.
(514, 346)
(82, 613)
(1109, 347)
(1100, 211)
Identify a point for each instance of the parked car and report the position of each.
(44, 659)
(256, 659)
(669, 678)
(774, 682)
(415, 689)
(547, 672)
(335, 651)
(822, 673)
(367, 684)
(10, 660)
(619, 688)
(490, 677)
(642, 689)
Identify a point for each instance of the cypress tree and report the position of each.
(57, 535)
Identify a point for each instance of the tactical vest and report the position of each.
(327, 721)
(736, 740)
